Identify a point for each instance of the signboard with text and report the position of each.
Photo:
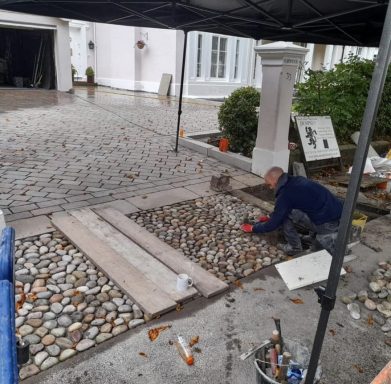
(317, 137)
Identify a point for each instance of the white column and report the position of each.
(279, 65)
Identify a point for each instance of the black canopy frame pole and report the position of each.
(327, 295)
(181, 92)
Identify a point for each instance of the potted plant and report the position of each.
(74, 73)
(140, 44)
(90, 75)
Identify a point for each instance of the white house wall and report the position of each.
(61, 41)
(114, 55)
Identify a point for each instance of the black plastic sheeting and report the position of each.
(341, 22)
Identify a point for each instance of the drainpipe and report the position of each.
(95, 55)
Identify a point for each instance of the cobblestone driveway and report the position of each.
(60, 151)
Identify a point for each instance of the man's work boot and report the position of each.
(289, 250)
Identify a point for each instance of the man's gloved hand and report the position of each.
(263, 219)
(246, 228)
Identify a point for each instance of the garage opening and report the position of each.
(27, 58)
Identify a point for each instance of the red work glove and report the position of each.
(264, 219)
(246, 228)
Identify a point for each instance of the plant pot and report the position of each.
(223, 144)
(140, 45)
(91, 79)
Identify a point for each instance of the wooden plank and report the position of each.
(146, 294)
(204, 281)
(152, 268)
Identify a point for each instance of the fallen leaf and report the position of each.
(179, 307)
(194, 340)
(31, 297)
(296, 300)
(142, 354)
(340, 325)
(348, 269)
(131, 177)
(370, 320)
(289, 257)
(144, 197)
(155, 332)
(197, 350)
(170, 342)
(359, 368)
(332, 332)
(19, 303)
(239, 284)
(258, 289)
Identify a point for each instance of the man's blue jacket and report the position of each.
(296, 192)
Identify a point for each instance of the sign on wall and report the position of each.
(317, 137)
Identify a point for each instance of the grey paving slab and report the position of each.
(249, 179)
(32, 227)
(122, 206)
(201, 189)
(158, 199)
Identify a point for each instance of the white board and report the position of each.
(317, 137)
(164, 84)
(306, 270)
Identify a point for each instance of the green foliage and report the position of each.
(342, 93)
(238, 119)
(90, 71)
(74, 70)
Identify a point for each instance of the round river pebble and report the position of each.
(63, 293)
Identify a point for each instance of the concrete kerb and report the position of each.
(209, 150)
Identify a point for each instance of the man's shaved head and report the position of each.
(272, 176)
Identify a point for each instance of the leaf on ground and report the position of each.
(258, 289)
(239, 284)
(31, 296)
(296, 300)
(197, 350)
(144, 197)
(332, 332)
(19, 303)
(142, 354)
(359, 368)
(348, 269)
(179, 307)
(155, 332)
(289, 257)
(170, 342)
(370, 320)
(130, 176)
(194, 340)
(340, 325)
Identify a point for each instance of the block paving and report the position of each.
(60, 151)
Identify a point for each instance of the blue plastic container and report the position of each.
(8, 359)
(7, 254)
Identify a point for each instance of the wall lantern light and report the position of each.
(91, 45)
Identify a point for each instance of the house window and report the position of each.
(236, 60)
(199, 55)
(359, 51)
(219, 55)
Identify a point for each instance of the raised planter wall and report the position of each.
(195, 143)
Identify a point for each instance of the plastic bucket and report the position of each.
(301, 355)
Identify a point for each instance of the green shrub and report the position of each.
(90, 71)
(342, 93)
(238, 119)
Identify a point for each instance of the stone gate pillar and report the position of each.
(279, 65)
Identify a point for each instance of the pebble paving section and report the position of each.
(375, 301)
(64, 305)
(207, 230)
(60, 151)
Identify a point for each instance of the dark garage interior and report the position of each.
(27, 58)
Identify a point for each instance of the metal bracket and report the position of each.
(327, 303)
